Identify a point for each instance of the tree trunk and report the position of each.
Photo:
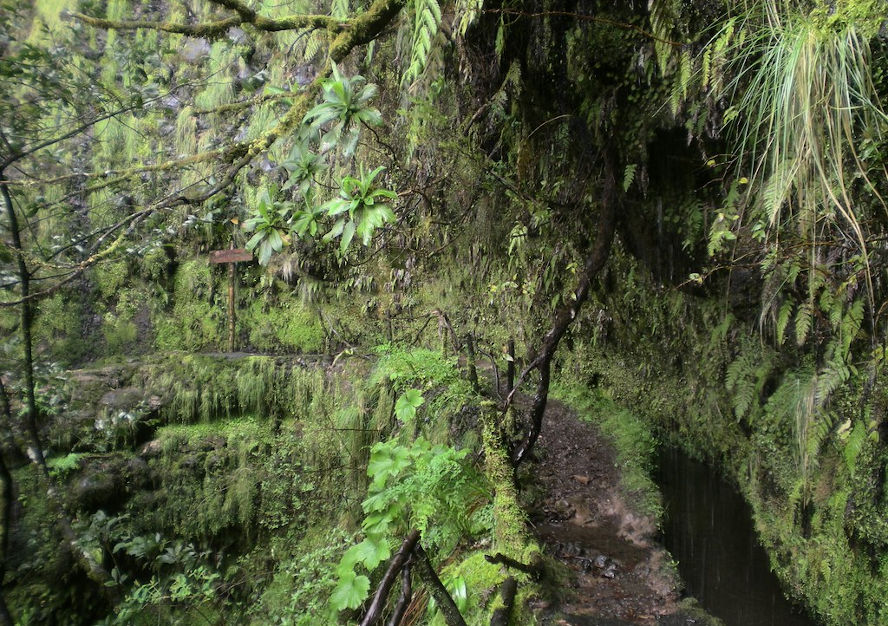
(566, 314)
(93, 568)
(452, 616)
(6, 503)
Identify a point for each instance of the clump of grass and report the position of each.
(806, 116)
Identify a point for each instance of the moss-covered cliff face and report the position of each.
(740, 311)
(709, 383)
(230, 488)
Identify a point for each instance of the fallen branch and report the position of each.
(532, 569)
(398, 561)
(452, 616)
(404, 598)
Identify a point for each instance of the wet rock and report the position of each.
(559, 511)
(97, 491)
(214, 462)
(238, 36)
(124, 399)
(194, 50)
(138, 475)
(151, 449)
(213, 442)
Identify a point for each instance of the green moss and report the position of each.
(120, 334)
(286, 327)
(47, 19)
(199, 388)
(57, 328)
(195, 322)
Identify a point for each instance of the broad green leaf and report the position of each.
(347, 233)
(386, 461)
(350, 143)
(350, 592)
(410, 400)
(371, 552)
(274, 240)
(255, 239)
(335, 231)
(265, 252)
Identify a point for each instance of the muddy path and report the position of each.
(618, 573)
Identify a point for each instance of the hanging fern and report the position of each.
(663, 17)
(467, 12)
(853, 446)
(783, 316)
(339, 9)
(740, 380)
(316, 40)
(803, 320)
(629, 176)
(830, 378)
(426, 19)
(682, 81)
(510, 88)
(715, 56)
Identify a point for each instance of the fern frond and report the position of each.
(467, 12)
(629, 176)
(854, 446)
(426, 20)
(740, 379)
(803, 320)
(663, 16)
(783, 319)
(829, 379)
(339, 8)
(313, 45)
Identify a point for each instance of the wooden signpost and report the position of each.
(231, 256)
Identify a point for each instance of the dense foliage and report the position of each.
(682, 198)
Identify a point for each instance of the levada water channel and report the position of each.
(709, 531)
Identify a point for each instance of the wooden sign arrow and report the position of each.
(232, 255)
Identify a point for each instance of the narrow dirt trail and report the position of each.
(619, 574)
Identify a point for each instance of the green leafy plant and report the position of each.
(60, 466)
(366, 208)
(344, 109)
(303, 166)
(805, 111)
(429, 488)
(270, 225)
(408, 402)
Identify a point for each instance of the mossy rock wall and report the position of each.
(707, 381)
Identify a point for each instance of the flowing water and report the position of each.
(708, 529)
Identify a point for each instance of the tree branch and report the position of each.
(211, 30)
(404, 598)
(452, 616)
(385, 585)
(566, 314)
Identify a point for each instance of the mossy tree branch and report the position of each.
(217, 28)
